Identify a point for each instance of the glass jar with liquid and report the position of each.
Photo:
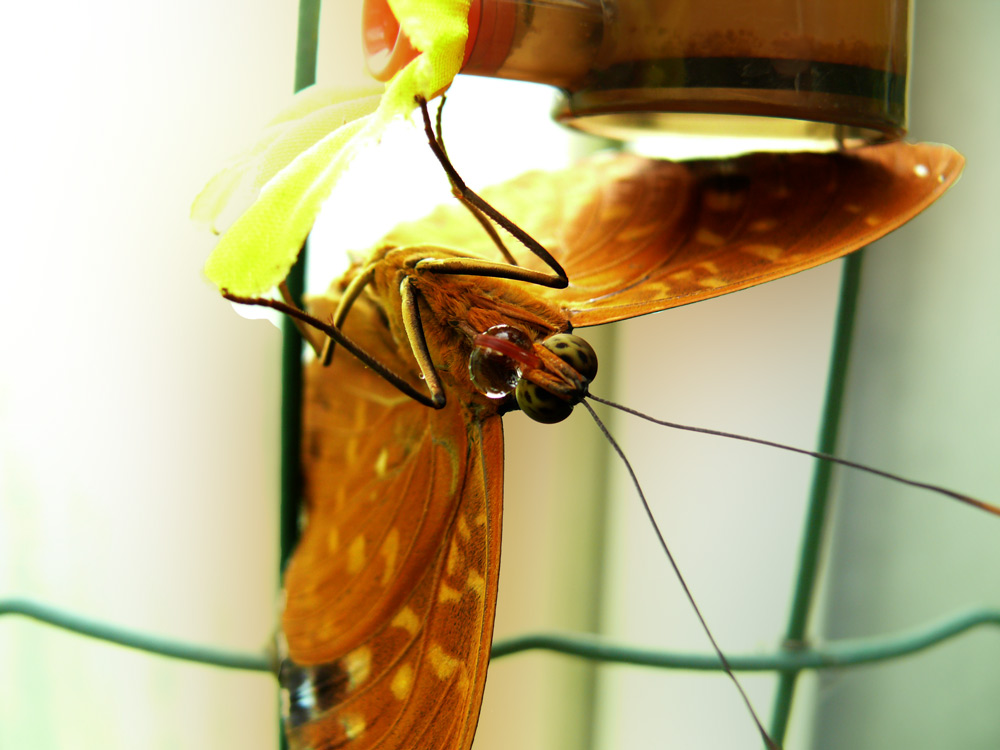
(825, 71)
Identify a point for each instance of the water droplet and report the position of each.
(493, 373)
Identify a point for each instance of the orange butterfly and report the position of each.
(391, 594)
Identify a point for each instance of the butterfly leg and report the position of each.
(437, 398)
(350, 295)
(411, 323)
(486, 225)
(558, 280)
(476, 267)
(418, 341)
(476, 213)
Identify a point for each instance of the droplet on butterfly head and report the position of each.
(493, 365)
(548, 408)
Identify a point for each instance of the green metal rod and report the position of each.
(306, 50)
(808, 568)
(291, 422)
(307, 44)
(836, 655)
(291, 351)
(259, 662)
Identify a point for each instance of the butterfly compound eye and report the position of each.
(575, 352)
(548, 408)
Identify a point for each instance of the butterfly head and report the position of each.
(547, 378)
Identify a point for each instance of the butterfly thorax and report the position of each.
(454, 309)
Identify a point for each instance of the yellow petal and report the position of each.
(439, 29)
(299, 158)
(258, 250)
(311, 115)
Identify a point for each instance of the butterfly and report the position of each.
(391, 594)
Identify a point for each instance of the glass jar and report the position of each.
(825, 71)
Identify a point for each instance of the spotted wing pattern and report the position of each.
(390, 595)
(638, 235)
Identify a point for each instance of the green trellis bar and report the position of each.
(168, 647)
(291, 347)
(306, 49)
(835, 655)
(816, 513)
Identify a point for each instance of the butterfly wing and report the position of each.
(391, 593)
(637, 235)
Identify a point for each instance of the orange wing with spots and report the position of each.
(391, 593)
(637, 235)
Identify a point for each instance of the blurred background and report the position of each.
(139, 413)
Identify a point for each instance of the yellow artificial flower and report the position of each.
(293, 167)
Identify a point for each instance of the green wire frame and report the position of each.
(788, 662)
(839, 655)
(307, 47)
(306, 55)
(819, 495)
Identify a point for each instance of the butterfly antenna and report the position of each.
(975, 503)
(677, 572)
